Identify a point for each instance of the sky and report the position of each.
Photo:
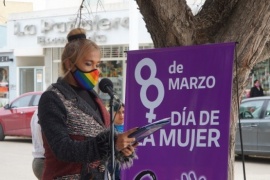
(195, 5)
(189, 2)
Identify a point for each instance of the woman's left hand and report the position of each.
(125, 144)
(129, 149)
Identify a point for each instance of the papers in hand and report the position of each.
(144, 131)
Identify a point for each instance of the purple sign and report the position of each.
(191, 85)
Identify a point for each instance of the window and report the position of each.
(113, 52)
(251, 109)
(114, 71)
(36, 100)
(4, 85)
(267, 112)
(22, 102)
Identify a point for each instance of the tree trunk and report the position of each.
(171, 23)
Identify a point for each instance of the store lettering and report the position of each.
(4, 59)
(89, 25)
(95, 24)
(25, 30)
(47, 40)
(48, 26)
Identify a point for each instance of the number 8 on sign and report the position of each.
(146, 83)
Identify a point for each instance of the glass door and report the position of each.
(38, 79)
(31, 79)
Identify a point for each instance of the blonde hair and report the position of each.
(76, 48)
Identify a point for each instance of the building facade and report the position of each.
(37, 40)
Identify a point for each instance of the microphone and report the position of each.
(106, 86)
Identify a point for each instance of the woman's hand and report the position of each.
(125, 144)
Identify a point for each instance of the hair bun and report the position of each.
(76, 36)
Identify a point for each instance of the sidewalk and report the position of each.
(255, 168)
(16, 163)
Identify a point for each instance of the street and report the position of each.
(16, 162)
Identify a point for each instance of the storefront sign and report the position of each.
(60, 40)
(47, 26)
(95, 24)
(24, 30)
(192, 86)
(4, 59)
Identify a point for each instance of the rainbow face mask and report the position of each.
(86, 80)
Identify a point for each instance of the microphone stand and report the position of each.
(112, 139)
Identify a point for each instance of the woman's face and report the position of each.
(119, 116)
(90, 61)
(257, 83)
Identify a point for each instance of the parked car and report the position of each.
(15, 117)
(254, 114)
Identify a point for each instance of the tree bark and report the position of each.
(171, 23)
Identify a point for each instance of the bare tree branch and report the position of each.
(157, 16)
(84, 10)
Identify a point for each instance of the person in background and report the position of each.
(118, 116)
(119, 112)
(38, 149)
(74, 121)
(256, 90)
(37, 141)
